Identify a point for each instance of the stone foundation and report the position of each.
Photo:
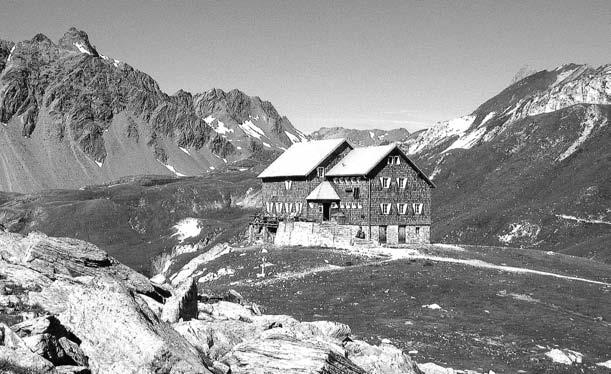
(342, 236)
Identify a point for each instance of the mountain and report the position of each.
(71, 116)
(529, 167)
(361, 137)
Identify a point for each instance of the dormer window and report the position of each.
(394, 160)
(320, 172)
(402, 208)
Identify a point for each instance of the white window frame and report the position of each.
(278, 207)
(402, 182)
(342, 205)
(320, 172)
(384, 206)
(418, 208)
(402, 208)
(397, 160)
(360, 206)
(383, 180)
(288, 184)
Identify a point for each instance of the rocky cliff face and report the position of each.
(361, 137)
(529, 167)
(71, 116)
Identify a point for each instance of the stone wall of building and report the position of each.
(329, 234)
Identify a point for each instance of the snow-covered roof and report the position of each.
(360, 161)
(301, 158)
(324, 191)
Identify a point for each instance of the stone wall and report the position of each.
(342, 236)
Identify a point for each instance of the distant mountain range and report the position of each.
(71, 116)
(361, 137)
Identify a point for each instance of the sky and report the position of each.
(357, 64)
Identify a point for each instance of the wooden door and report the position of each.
(401, 234)
(326, 208)
(382, 235)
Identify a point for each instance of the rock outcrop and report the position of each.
(90, 311)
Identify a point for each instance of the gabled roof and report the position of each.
(361, 161)
(324, 191)
(302, 158)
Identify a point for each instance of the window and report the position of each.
(385, 182)
(385, 207)
(288, 184)
(417, 208)
(269, 207)
(354, 180)
(278, 208)
(320, 172)
(401, 182)
(298, 207)
(360, 206)
(402, 208)
(394, 160)
(354, 206)
(417, 230)
(342, 206)
(311, 205)
(356, 192)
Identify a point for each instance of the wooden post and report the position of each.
(369, 212)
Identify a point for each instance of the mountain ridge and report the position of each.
(72, 116)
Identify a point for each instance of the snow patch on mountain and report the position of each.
(10, 54)
(582, 220)
(588, 126)
(488, 117)
(187, 228)
(294, 139)
(440, 132)
(222, 129)
(565, 356)
(82, 48)
(173, 170)
(468, 140)
(252, 130)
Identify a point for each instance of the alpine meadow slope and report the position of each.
(71, 116)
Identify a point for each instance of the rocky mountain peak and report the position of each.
(77, 41)
(41, 38)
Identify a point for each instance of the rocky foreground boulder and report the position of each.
(67, 307)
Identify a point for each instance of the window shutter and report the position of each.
(382, 208)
